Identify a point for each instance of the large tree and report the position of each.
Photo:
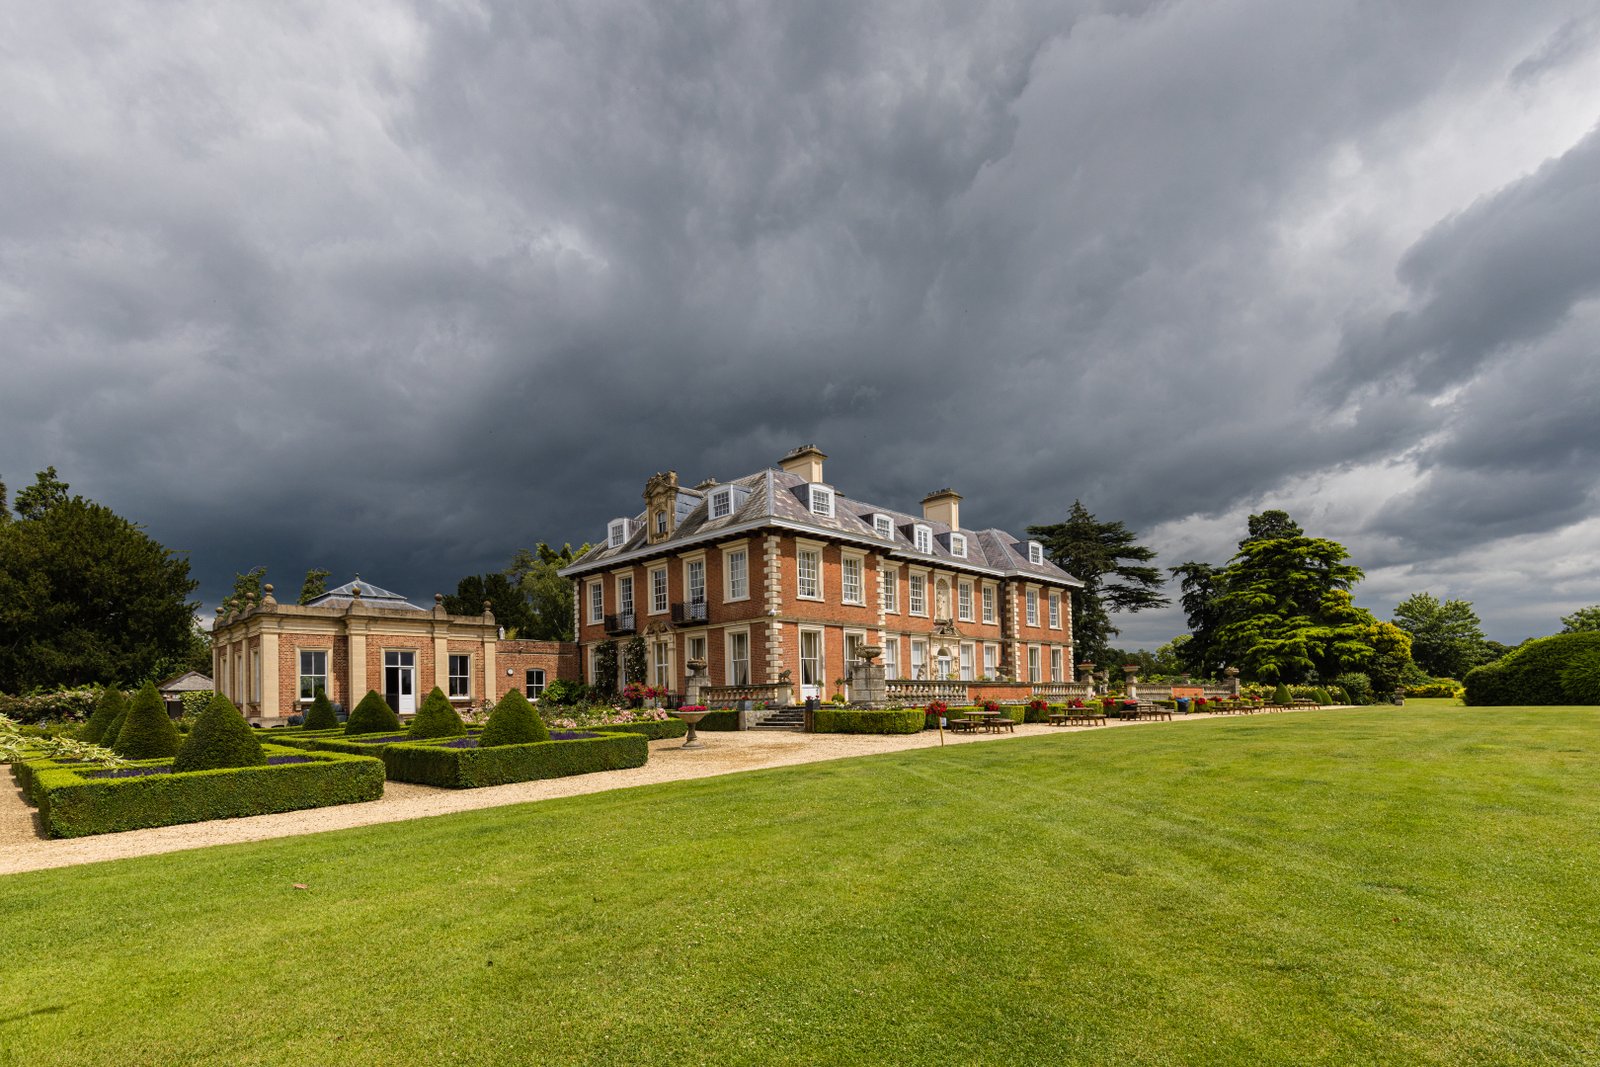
(1114, 569)
(1584, 620)
(549, 595)
(315, 584)
(1446, 639)
(505, 599)
(86, 597)
(247, 590)
(1201, 585)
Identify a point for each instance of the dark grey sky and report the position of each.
(401, 288)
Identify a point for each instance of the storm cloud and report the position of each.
(401, 288)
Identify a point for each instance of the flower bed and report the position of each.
(858, 721)
(437, 763)
(76, 800)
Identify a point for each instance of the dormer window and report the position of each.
(721, 503)
(661, 523)
(1035, 553)
(617, 533)
(958, 545)
(822, 501)
(883, 525)
(922, 537)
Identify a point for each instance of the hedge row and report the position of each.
(725, 719)
(856, 721)
(469, 768)
(72, 804)
(1563, 669)
(650, 731)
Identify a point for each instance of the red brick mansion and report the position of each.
(778, 577)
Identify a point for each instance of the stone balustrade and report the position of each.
(724, 696)
(903, 691)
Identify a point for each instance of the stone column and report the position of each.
(1232, 674)
(869, 688)
(1130, 673)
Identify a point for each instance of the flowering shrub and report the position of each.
(600, 715)
(937, 707)
(1076, 702)
(1038, 705)
(693, 707)
(991, 705)
(61, 704)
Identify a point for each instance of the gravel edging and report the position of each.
(23, 848)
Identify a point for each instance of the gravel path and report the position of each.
(23, 848)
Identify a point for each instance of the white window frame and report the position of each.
(625, 603)
(964, 601)
(661, 522)
(1036, 553)
(807, 550)
(847, 561)
(821, 662)
(721, 505)
(690, 565)
(883, 526)
(891, 657)
(594, 664)
(661, 663)
(741, 553)
(451, 676)
(991, 661)
(659, 590)
(731, 662)
(922, 538)
(913, 581)
(958, 545)
(1033, 663)
(1032, 600)
(1055, 665)
(891, 590)
(300, 681)
(617, 533)
(1055, 610)
(968, 661)
(919, 659)
(597, 600)
(531, 689)
(990, 596)
(820, 501)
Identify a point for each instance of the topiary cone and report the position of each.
(372, 716)
(320, 716)
(110, 708)
(220, 738)
(436, 718)
(147, 731)
(1281, 695)
(513, 722)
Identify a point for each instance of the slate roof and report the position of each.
(371, 595)
(777, 497)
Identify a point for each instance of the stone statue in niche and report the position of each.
(941, 600)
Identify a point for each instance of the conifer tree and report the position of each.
(372, 715)
(436, 718)
(220, 738)
(110, 708)
(513, 721)
(321, 716)
(147, 731)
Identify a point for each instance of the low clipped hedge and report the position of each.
(72, 803)
(471, 768)
(723, 719)
(1532, 673)
(859, 721)
(650, 731)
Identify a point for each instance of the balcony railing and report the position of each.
(690, 613)
(621, 623)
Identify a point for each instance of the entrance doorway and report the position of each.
(810, 664)
(400, 681)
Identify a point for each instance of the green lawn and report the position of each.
(1416, 885)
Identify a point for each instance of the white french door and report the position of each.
(400, 681)
(811, 672)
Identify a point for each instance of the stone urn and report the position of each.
(868, 653)
(692, 718)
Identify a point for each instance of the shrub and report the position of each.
(73, 804)
(1357, 687)
(1533, 673)
(76, 704)
(1281, 695)
(372, 715)
(220, 738)
(147, 731)
(436, 718)
(1439, 687)
(1580, 679)
(1321, 697)
(650, 730)
(320, 716)
(855, 721)
(513, 722)
(564, 693)
(1339, 695)
(111, 707)
(469, 768)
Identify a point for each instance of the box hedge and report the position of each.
(111, 706)
(513, 722)
(721, 719)
(220, 738)
(321, 716)
(1532, 673)
(437, 718)
(650, 730)
(432, 763)
(74, 802)
(858, 721)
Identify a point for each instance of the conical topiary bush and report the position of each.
(436, 718)
(114, 727)
(220, 738)
(1281, 695)
(1322, 697)
(110, 708)
(513, 722)
(147, 731)
(320, 715)
(372, 716)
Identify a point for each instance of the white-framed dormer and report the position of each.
(720, 504)
(958, 545)
(883, 526)
(922, 537)
(618, 531)
(819, 498)
(1035, 553)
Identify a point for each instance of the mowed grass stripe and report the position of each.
(1377, 886)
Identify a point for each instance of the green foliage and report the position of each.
(111, 706)
(634, 663)
(513, 722)
(74, 804)
(194, 702)
(147, 731)
(604, 682)
(372, 715)
(220, 738)
(1390, 660)
(548, 595)
(1321, 697)
(247, 591)
(86, 597)
(1584, 620)
(1357, 687)
(437, 718)
(1114, 570)
(564, 693)
(1281, 695)
(505, 599)
(469, 768)
(315, 584)
(21, 745)
(1531, 674)
(1446, 638)
(652, 730)
(321, 716)
(1438, 689)
(856, 721)
(1580, 678)
(1202, 584)
(57, 704)
(1339, 695)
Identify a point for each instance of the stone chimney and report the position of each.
(805, 461)
(943, 506)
